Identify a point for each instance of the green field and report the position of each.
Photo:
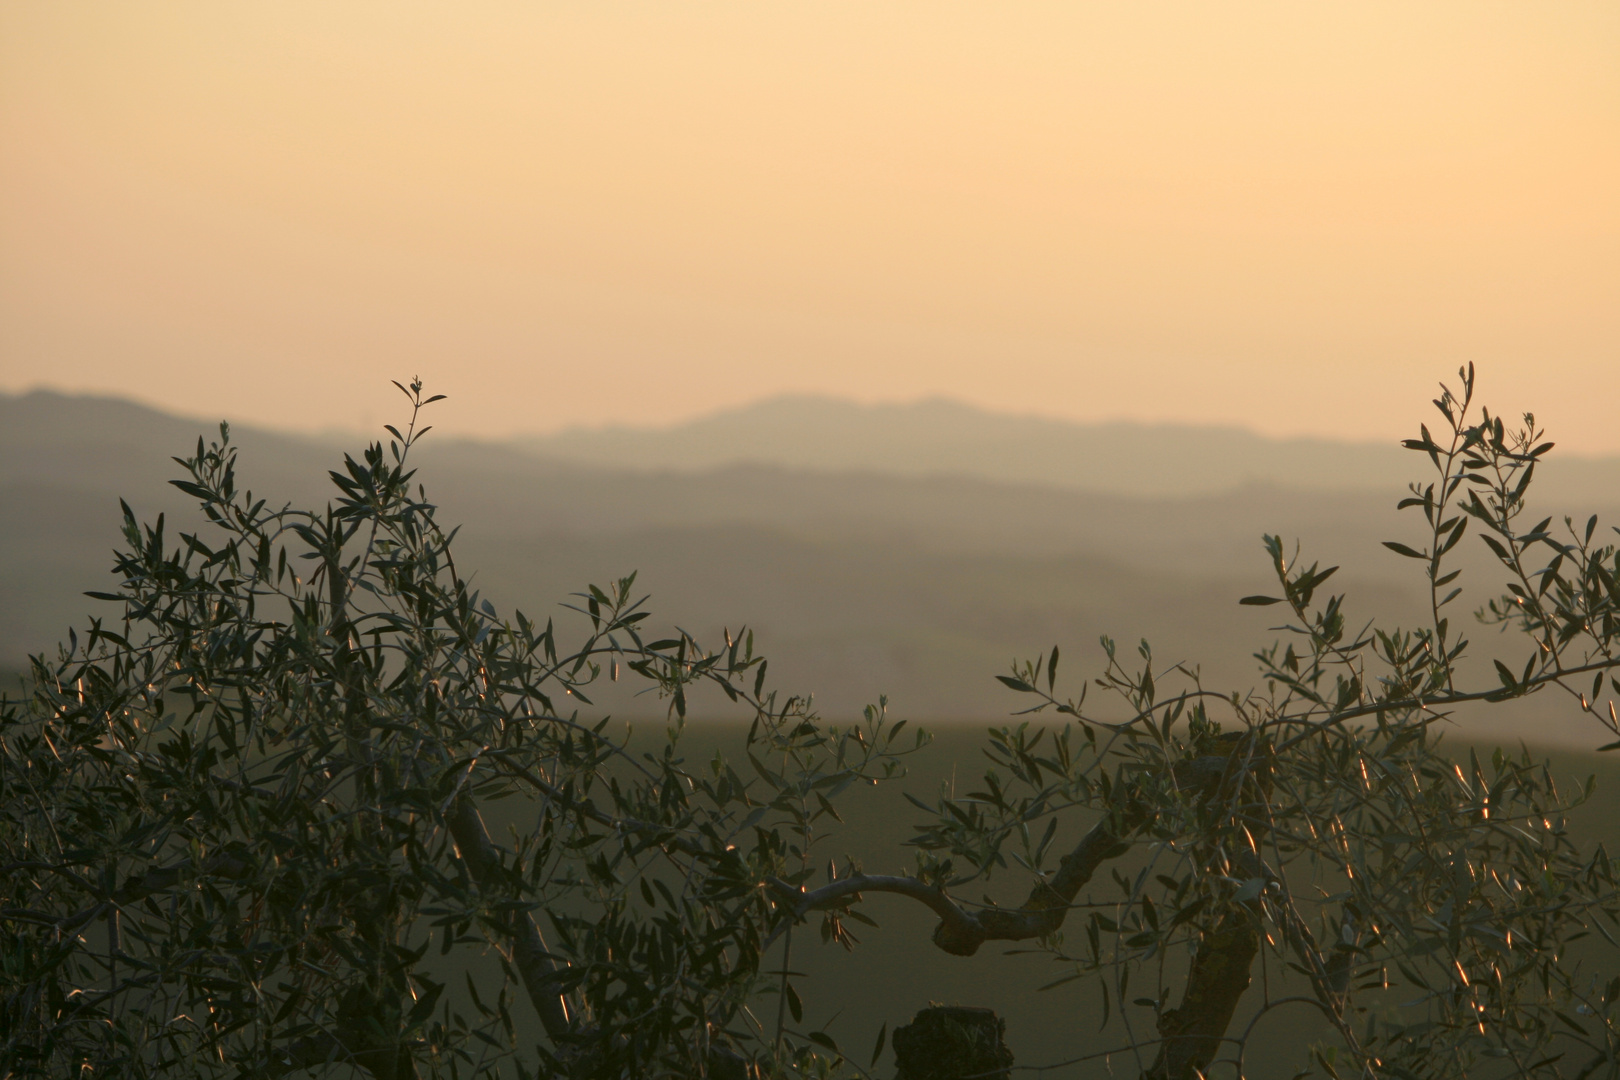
(895, 970)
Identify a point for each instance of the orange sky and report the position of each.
(1290, 216)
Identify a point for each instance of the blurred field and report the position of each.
(895, 971)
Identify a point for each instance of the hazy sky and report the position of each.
(1292, 216)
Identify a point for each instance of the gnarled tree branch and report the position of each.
(536, 966)
(960, 932)
(1191, 1033)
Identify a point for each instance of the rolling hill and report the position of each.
(918, 583)
(938, 437)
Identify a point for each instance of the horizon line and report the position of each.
(520, 439)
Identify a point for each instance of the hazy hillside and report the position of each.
(940, 437)
(858, 582)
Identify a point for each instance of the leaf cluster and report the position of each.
(243, 821)
(1315, 835)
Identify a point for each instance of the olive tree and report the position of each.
(246, 819)
(1436, 913)
(243, 821)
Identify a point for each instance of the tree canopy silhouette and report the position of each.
(246, 819)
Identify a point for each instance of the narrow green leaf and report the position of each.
(795, 1006)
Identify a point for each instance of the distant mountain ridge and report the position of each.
(931, 438)
(937, 437)
(860, 579)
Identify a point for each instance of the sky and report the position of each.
(1291, 217)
